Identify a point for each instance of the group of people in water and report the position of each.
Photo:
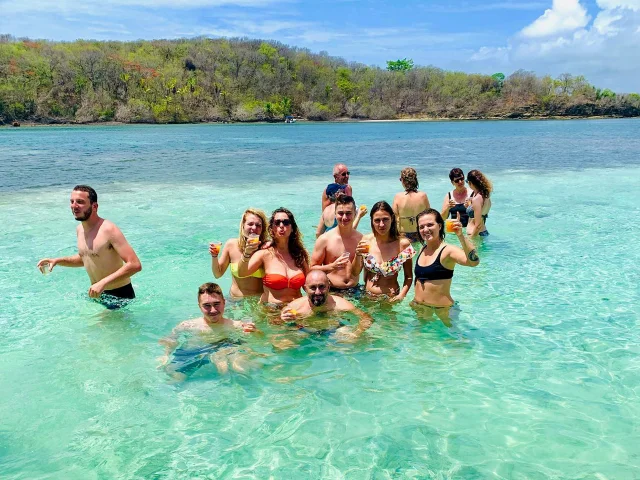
(269, 261)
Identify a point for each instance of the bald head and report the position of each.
(341, 173)
(317, 287)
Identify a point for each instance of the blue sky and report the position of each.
(596, 38)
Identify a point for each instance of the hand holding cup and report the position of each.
(363, 247)
(214, 248)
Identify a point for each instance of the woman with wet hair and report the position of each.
(478, 210)
(285, 262)
(408, 204)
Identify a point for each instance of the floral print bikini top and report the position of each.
(388, 268)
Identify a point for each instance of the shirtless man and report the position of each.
(319, 300)
(335, 251)
(341, 176)
(209, 341)
(102, 250)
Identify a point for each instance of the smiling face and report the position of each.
(430, 229)
(317, 288)
(212, 306)
(345, 213)
(81, 206)
(252, 225)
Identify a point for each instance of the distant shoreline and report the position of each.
(337, 120)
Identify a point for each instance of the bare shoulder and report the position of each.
(191, 324)
(404, 243)
(367, 236)
(342, 303)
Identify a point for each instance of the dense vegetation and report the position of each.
(206, 79)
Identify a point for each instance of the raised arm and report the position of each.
(251, 260)
(447, 205)
(130, 267)
(360, 213)
(220, 262)
(467, 256)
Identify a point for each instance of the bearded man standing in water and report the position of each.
(102, 250)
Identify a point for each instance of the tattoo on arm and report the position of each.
(473, 256)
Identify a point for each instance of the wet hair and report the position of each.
(385, 207)
(93, 195)
(345, 200)
(482, 183)
(264, 235)
(439, 221)
(296, 247)
(409, 178)
(210, 288)
(455, 173)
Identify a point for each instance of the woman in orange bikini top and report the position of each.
(285, 263)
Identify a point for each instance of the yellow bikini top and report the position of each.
(234, 271)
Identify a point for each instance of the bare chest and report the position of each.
(94, 245)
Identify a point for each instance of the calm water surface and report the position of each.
(539, 377)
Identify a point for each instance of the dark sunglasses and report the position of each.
(459, 179)
(286, 222)
(345, 174)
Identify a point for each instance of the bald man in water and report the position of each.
(341, 182)
(103, 251)
(319, 300)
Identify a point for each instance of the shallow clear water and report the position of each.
(538, 378)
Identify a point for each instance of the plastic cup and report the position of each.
(253, 239)
(365, 248)
(216, 247)
(247, 326)
(449, 226)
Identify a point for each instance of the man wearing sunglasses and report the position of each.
(341, 176)
(335, 251)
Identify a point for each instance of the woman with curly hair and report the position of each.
(285, 262)
(478, 211)
(408, 204)
(253, 227)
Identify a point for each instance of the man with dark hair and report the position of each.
(102, 250)
(335, 250)
(341, 183)
(209, 341)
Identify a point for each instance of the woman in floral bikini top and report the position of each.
(384, 254)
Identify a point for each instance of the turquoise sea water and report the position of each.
(538, 378)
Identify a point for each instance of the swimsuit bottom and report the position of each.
(413, 237)
(188, 360)
(484, 234)
(349, 292)
(118, 297)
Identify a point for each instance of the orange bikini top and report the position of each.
(275, 281)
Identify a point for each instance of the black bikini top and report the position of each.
(435, 271)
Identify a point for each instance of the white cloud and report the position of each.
(611, 4)
(563, 16)
(606, 51)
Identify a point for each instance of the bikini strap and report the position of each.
(440, 254)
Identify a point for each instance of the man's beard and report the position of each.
(84, 216)
(318, 300)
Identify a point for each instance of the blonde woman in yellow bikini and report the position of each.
(252, 228)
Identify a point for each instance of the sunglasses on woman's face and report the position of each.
(285, 222)
(458, 180)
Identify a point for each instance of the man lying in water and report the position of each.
(213, 339)
(303, 311)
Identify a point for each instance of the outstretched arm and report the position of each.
(72, 261)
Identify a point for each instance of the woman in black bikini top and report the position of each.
(435, 263)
